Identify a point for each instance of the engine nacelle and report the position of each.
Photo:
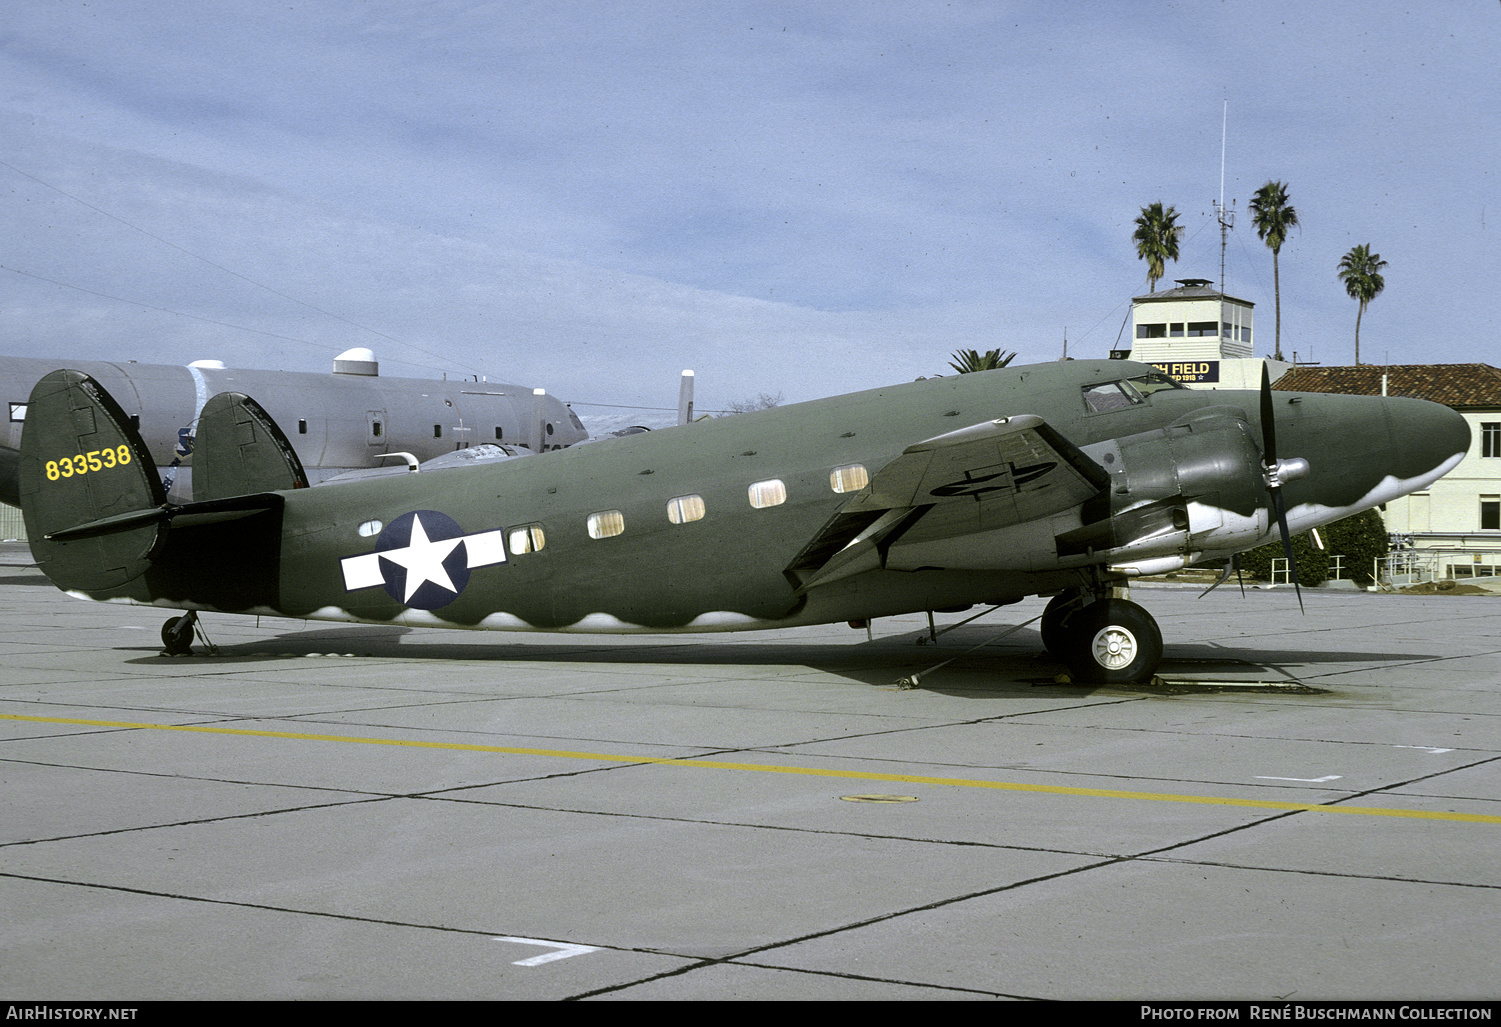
(1195, 486)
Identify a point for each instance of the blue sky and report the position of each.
(802, 198)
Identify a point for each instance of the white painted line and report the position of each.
(1302, 780)
(564, 950)
(1422, 748)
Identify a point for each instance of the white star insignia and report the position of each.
(423, 560)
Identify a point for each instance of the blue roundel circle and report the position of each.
(423, 560)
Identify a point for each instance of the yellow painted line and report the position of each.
(768, 768)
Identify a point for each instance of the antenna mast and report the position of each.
(1225, 217)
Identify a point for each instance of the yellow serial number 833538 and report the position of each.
(83, 463)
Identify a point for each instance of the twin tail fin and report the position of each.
(95, 510)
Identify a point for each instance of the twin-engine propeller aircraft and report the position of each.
(1064, 479)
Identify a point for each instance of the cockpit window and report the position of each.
(1129, 392)
(1110, 396)
(1155, 381)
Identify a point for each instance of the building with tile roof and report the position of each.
(1459, 516)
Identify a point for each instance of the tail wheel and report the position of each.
(1113, 642)
(177, 635)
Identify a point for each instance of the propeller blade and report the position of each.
(1273, 481)
(1287, 545)
(1268, 425)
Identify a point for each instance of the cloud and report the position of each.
(796, 199)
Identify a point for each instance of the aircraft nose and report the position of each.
(1430, 432)
(1365, 450)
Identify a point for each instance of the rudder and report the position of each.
(241, 451)
(83, 462)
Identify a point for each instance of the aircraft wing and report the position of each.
(1019, 463)
(980, 478)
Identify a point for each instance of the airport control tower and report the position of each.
(1197, 335)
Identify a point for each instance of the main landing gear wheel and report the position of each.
(1113, 642)
(177, 634)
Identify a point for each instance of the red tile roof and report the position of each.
(1454, 385)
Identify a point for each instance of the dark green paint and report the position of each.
(285, 554)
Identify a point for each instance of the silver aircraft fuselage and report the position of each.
(336, 421)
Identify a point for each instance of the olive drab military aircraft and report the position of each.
(1064, 479)
(349, 420)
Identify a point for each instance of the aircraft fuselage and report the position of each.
(687, 529)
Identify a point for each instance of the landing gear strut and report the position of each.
(1104, 641)
(177, 634)
(1060, 608)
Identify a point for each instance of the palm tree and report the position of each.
(1360, 270)
(968, 360)
(1273, 216)
(1156, 238)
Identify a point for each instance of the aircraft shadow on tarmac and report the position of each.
(1015, 664)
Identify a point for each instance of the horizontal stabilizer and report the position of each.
(239, 450)
(83, 461)
(189, 515)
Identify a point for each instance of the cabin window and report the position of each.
(437, 431)
(302, 426)
(606, 524)
(529, 538)
(497, 433)
(375, 429)
(1490, 513)
(849, 478)
(549, 427)
(17, 412)
(768, 493)
(1490, 438)
(685, 508)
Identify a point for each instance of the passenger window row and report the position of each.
(531, 538)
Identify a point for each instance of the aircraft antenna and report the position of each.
(1225, 217)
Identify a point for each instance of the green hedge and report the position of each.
(1359, 539)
